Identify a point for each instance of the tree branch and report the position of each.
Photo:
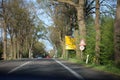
(68, 2)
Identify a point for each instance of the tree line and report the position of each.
(20, 30)
(94, 21)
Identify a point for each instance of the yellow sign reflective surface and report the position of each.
(70, 43)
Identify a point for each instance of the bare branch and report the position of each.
(68, 2)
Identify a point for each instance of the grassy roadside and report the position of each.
(106, 68)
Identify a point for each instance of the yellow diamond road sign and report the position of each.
(70, 43)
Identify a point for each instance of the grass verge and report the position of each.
(109, 68)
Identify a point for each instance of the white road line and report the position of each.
(70, 70)
(18, 67)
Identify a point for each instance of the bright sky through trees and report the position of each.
(47, 22)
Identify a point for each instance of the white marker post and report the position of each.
(87, 59)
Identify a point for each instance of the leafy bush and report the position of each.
(90, 40)
(107, 51)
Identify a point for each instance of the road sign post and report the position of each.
(82, 48)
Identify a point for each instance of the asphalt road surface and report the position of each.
(49, 69)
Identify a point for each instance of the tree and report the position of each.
(79, 5)
(23, 27)
(1, 49)
(117, 35)
(5, 18)
(55, 40)
(97, 28)
(18, 16)
(38, 49)
(106, 51)
(63, 24)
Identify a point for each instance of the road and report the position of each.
(49, 69)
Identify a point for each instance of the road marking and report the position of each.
(18, 67)
(70, 70)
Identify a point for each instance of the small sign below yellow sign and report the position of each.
(82, 48)
(69, 43)
(82, 43)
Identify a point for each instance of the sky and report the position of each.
(47, 22)
(46, 19)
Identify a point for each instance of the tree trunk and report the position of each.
(4, 32)
(30, 49)
(117, 35)
(18, 50)
(78, 56)
(11, 48)
(81, 20)
(15, 48)
(82, 27)
(4, 41)
(27, 45)
(97, 27)
(55, 51)
(63, 48)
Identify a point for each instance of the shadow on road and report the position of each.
(34, 77)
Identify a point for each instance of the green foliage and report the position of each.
(106, 56)
(90, 41)
(118, 39)
(25, 54)
(38, 49)
(59, 52)
(106, 53)
(71, 54)
(24, 27)
(118, 42)
(40, 30)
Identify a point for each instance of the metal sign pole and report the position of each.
(82, 54)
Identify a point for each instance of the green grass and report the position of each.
(106, 68)
(75, 61)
